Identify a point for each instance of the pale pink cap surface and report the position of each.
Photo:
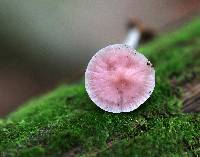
(119, 79)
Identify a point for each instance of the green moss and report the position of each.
(66, 119)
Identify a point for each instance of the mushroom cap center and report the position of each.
(121, 80)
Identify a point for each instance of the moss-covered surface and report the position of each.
(66, 121)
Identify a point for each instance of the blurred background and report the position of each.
(44, 43)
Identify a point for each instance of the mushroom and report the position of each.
(118, 78)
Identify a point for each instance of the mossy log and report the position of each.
(65, 122)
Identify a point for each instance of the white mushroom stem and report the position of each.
(133, 37)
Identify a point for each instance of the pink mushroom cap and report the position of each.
(119, 79)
